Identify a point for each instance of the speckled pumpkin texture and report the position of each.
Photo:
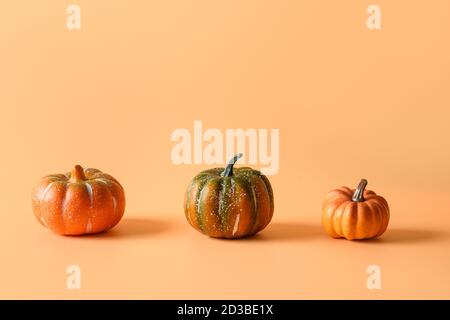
(229, 206)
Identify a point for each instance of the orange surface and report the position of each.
(349, 103)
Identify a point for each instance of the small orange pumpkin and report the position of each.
(229, 203)
(355, 214)
(85, 201)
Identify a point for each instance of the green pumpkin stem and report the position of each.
(228, 172)
(358, 196)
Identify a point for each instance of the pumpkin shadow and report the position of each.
(404, 236)
(282, 231)
(133, 227)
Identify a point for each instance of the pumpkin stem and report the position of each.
(77, 174)
(228, 172)
(358, 196)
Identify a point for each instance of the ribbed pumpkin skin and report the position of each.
(344, 218)
(229, 207)
(91, 205)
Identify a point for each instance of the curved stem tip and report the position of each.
(228, 172)
(358, 195)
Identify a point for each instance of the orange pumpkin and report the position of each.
(85, 201)
(229, 203)
(355, 214)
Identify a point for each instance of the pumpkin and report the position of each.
(85, 201)
(355, 214)
(229, 202)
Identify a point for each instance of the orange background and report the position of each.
(349, 102)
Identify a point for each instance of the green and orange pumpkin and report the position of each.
(229, 202)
